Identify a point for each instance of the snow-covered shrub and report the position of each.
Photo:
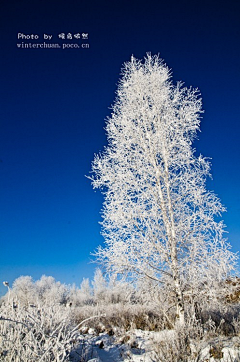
(36, 332)
(172, 346)
(37, 323)
(121, 316)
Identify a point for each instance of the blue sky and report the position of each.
(54, 103)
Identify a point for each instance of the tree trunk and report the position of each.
(170, 227)
(179, 304)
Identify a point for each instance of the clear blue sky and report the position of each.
(53, 106)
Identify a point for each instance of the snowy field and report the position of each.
(143, 346)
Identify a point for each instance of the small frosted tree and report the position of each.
(85, 288)
(159, 220)
(99, 285)
(49, 290)
(24, 290)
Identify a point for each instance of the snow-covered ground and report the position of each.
(142, 346)
(135, 346)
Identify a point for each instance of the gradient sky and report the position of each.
(53, 108)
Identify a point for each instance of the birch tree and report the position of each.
(159, 219)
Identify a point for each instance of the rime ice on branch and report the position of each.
(159, 220)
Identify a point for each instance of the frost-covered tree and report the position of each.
(46, 290)
(24, 290)
(99, 285)
(49, 290)
(159, 220)
(83, 295)
(85, 288)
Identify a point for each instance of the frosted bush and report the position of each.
(36, 333)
